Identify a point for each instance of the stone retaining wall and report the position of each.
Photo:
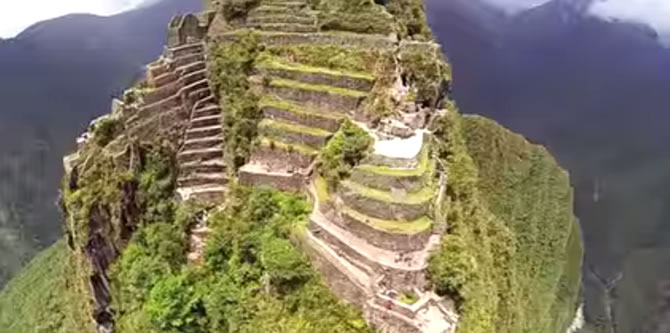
(381, 209)
(305, 119)
(279, 157)
(317, 99)
(338, 39)
(341, 81)
(383, 239)
(290, 183)
(411, 183)
(398, 279)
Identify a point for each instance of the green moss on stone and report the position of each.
(280, 126)
(279, 63)
(316, 87)
(397, 227)
(269, 101)
(426, 194)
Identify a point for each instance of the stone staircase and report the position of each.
(202, 169)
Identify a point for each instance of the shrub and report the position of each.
(106, 130)
(344, 151)
(231, 65)
(237, 9)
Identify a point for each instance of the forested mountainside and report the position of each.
(299, 166)
(55, 77)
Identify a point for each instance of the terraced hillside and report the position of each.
(298, 166)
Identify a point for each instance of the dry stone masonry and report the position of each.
(372, 237)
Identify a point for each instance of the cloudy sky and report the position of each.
(16, 15)
(655, 13)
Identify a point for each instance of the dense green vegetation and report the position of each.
(406, 18)
(512, 255)
(425, 69)
(254, 278)
(44, 297)
(343, 152)
(231, 65)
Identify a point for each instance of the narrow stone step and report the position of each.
(161, 93)
(399, 206)
(209, 110)
(317, 75)
(191, 67)
(196, 90)
(187, 59)
(157, 69)
(201, 143)
(256, 175)
(211, 166)
(162, 105)
(163, 79)
(286, 27)
(199, 155)
(284, 110)
(188, 49)
(325, 97)
(293, 133)
(194, 77)
(195, 133)
(205, 193)
(206, 121)
(206, 98)
(273, 19)
(198, 179)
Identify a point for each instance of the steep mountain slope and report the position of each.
(595, 93)
(299, 166)
(54, 78)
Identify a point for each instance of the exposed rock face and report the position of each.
(175, 104)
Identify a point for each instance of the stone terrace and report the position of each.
(302, 105)
(372, 237)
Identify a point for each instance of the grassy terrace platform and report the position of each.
(321, 38)
(420, 197)
(302, 149)
(276, 62)
(282, 83)
(424, 165)
(269, 101)
(280, 126)
(395, 227)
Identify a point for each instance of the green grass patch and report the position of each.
(42, 297)
(282, 83)
(280, 126)
(322, 193)
(269, 101)
(419, 197)
(279, 63)
(424, 165)
(334, 57)
(397, 227)
(302, 149)
(409, 298)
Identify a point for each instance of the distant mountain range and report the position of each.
(55, 77)
(598, 94)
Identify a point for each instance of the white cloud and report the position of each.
(16, 15)
(655, 13)
(515, 6)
